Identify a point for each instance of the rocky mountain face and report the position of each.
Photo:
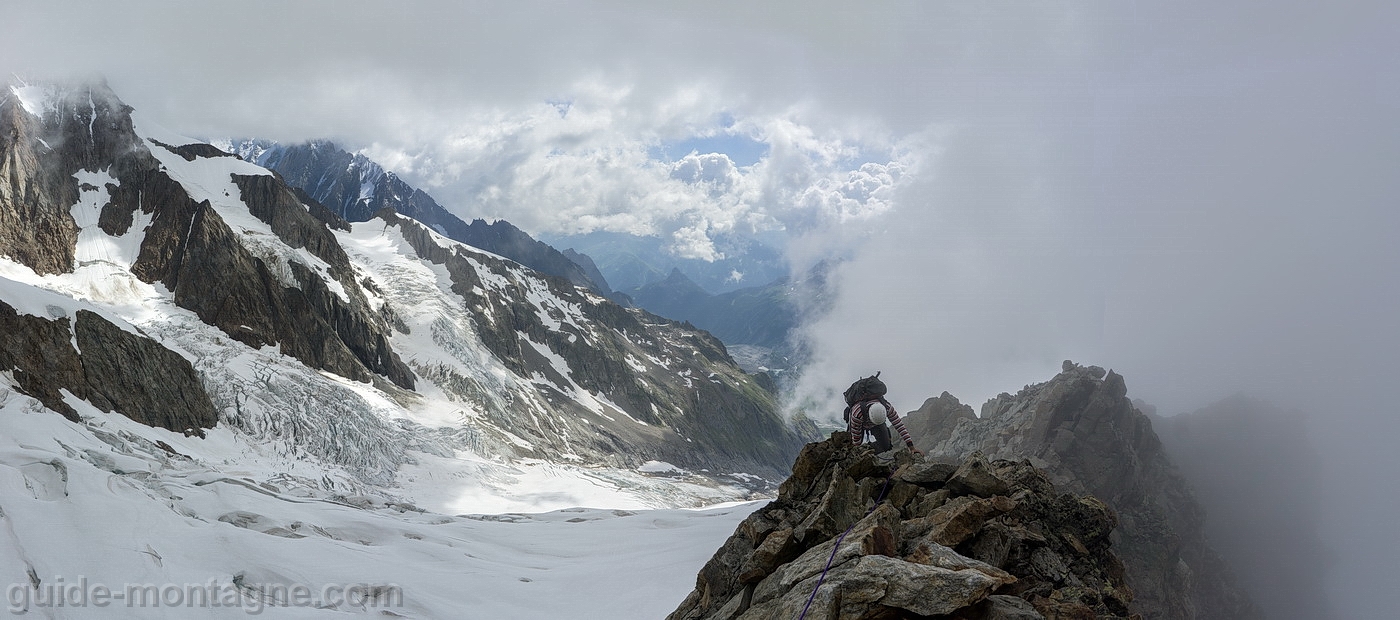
(854, 536)
(757, 324)
(1084, 432)
(1253, 467)
(355, 188)
(90, 356)
(83, 151)
(686, 395)
(590, 268)
(191, 287)
(39, 159)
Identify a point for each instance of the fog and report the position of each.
(1200, 197)
(1209, 217)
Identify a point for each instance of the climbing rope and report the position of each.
(829, 560)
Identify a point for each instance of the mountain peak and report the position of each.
(677, 276)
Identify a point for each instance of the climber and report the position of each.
(867, 411)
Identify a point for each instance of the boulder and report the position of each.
(927, 474)
(975, 477)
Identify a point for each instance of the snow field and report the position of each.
(101, 502)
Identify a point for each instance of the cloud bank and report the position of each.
(583, 167)
(548, 115)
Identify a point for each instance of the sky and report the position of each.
(1201, 196)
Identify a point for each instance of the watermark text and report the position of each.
(237, 592)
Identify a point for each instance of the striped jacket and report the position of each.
(860, 421)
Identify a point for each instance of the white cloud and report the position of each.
(593, 167)
(714, 171)
(694, 242)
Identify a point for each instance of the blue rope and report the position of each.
(829, 560)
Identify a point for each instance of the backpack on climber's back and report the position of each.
(863, 389)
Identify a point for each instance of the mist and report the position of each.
(1207, 206)
(1204, 218)
(1199, 196)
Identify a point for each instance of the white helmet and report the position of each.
(877, 413)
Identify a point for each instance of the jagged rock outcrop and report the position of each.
(110, 367)
(1082, 429)
(309, 321)
(1254, 467)
(868, 538)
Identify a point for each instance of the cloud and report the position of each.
(715, 171)
(589, 166)
(1202, 223)
(535, 112)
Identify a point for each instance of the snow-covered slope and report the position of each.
(368, 383)
(115, 504)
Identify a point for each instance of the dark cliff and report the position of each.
(99, 362)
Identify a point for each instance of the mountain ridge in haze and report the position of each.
(355, 188)
(633, 261)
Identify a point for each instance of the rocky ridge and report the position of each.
(1089, 438)
(866, 537)
(356, 188)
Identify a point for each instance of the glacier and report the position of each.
(112, 502)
